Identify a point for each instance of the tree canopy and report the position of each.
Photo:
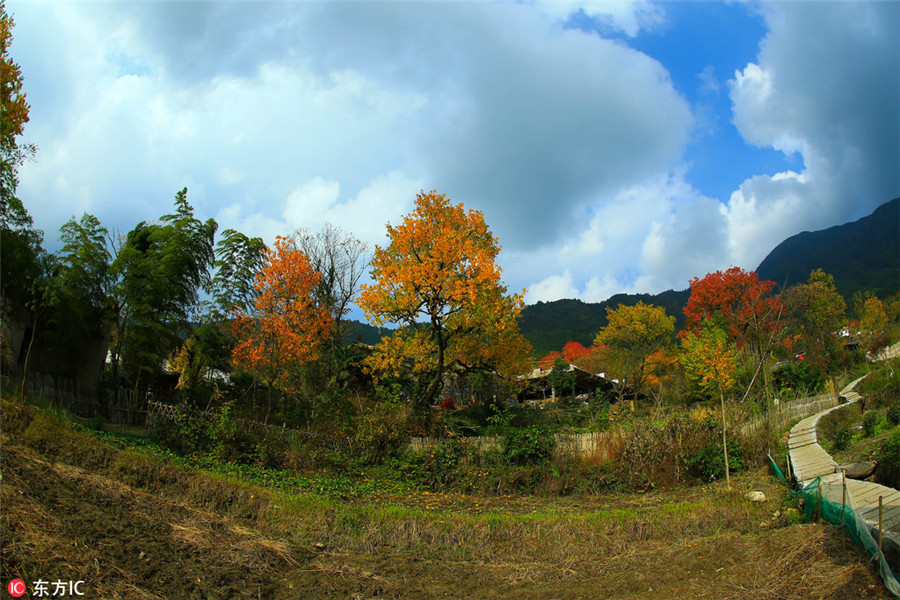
(632, 335)
(439, 282)
(284, 327)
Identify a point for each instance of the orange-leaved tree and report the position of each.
(439, 282)
(285, 326)
(546, 363)
(740, 302)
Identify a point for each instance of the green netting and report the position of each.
(820, 503)
(775, 470)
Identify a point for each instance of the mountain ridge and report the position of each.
(862, 254)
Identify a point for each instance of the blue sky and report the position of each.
(613, 146)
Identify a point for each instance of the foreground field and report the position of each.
(131, 526)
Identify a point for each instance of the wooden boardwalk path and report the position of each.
(808, 460)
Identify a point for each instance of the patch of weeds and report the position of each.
(528, 446)
(708, 463)
(841, 440)
(871, 422)
(893, 414)
(889, 460)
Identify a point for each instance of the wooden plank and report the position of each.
(869, 494)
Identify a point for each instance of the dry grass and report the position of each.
(133, 526)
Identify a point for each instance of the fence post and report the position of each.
(790, 477)
(820, 499)
(843, 494)
(880, 530)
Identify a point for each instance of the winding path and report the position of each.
(809, 461)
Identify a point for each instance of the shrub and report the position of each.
(382, 431)
(708, 463)
(893, 414)
(841, 440)
(881, 388)
(528, 446)
(889, 460)
(870, 423)
(801, 376)
(186, 433)
(440, 464)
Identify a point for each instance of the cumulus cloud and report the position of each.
(492, 104)
(286, 115)
(826, 86)
(552, 288)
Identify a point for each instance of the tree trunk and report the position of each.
(724, 442)
(28, 354)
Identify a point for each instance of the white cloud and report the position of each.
(628, 16)
(281, 115)
(552, 288)
(826, 85)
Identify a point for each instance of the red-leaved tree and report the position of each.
(739, 303)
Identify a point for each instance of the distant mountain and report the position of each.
(864, 254)
(357, 331)
(549, 325)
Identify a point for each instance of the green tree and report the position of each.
(82, 290)
(562, 378)
(814, 311)
(161, 269)
(238, 261)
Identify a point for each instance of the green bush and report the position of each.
(889, 461)
(440, 465)
(841, 440)
(382, 431)
(881, 387)
(801, 377)
(871, 421)
(893, 414)
(708, 463)
(528, 446)
(186, 433)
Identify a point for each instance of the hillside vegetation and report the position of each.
(147, 529)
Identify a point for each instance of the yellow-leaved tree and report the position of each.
(439, 282)
(710, 360)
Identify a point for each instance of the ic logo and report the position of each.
(17, 588)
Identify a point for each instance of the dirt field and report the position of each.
(67, 515)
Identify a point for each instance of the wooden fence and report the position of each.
(785, 414)
(118, 406)
(602, 446)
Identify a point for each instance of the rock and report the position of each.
(776, 514)
(859, 470)
(755, 496)
(319, 546)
